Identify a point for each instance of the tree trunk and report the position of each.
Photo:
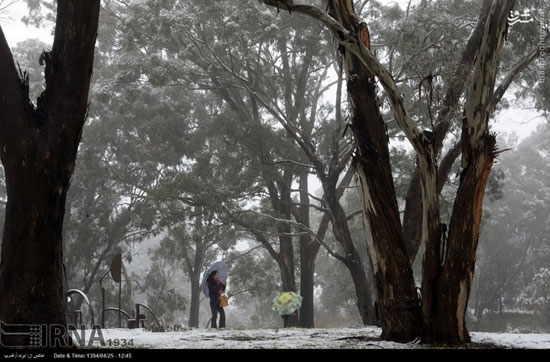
(352, 259)
(365, 305)
(412, 218)
(397, 299)
(195, 266)
(308, 254)
(195, 300)
(38, 150)
(307, 285)
(283, 206)
(478, 154)
(480, 310)
(286, 264)
(453, 288)
(398, 302)
(289, 285)
(448, 265)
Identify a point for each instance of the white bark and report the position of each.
(368, 208)
(479, 100)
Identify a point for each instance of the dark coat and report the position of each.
(214, 290)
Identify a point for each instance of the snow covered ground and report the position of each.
(513, 340)
(317, 338)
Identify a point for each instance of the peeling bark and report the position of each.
(412, 218)
(398, 303)
(478, 153)
(446, 283)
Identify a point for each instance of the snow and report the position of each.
(513, 340)
(292, 338)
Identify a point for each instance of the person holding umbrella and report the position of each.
(286, 305)
(216, 287)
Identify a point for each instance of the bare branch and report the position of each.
(446, 165)
(316, 198)
(7, 5)
(274, 110)
(12, 107)
(316, 207)
(351, 43)
(278, 162)
(246, 253)
(353, 214)
(519, 67)
(233, 294)
(345, 182)
(427, 47)
(257, 234)
(304, 227)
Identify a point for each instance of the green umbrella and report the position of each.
(286, 303)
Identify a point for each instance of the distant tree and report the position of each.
(537, 294)
(337, 298)
(159, 285)
(254, 284)
(195, 244)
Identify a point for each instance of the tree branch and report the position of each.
(480, 95)
(261, 238)
(456, 87)
(316, 207)
(186, 257)
(353, 214)
(69, 66)
(345, 182)
(230, 295)
(352, 44)
(304, 227)
(519, 67)
(446, 165)
(316, 198)
(245, 253)
(12, 97)
(278, 162)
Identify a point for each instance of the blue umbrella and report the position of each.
(223, 271)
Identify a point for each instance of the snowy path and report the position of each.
(317, 338)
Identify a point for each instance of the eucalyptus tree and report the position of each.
(188, 206)
(449, 259)
(159, 284)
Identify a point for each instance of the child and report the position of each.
(286, 318)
